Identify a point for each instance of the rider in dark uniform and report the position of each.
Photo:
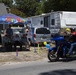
(73, 41)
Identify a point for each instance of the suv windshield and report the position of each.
(16, 30)
(42, 31)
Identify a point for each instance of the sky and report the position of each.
(14, 2)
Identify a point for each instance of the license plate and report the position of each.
(44, 37)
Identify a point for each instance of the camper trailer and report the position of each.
(55, 20)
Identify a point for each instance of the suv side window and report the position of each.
(42, 31)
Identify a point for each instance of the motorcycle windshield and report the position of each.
(58, 38)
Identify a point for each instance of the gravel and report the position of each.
(23, 56)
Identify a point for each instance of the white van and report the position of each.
(38, 34)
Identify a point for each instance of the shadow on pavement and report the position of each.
(60, 72)
(65, 59)
(68, 59)
(3, 49)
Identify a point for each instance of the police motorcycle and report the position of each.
(60, 50)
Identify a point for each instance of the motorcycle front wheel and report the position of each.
(52, 56)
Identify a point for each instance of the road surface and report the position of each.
(42, 67)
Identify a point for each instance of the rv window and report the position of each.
(41, 22)
(42, 31)
(53, 21)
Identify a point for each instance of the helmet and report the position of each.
(68, 29)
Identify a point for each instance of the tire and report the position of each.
(52, 56)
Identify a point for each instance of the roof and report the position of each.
(2, 9)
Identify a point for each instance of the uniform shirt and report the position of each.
(9, 31)
(73, 38)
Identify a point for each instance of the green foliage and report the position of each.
(37, 7)
(17, 12)
(59, 5)
(7, 2)
(27, 6)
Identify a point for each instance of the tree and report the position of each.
(59, 5)
(68, 5)
(17, 12)
(7, 2)
(29, 7)
(37, 7)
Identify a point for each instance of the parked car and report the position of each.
(17, 30)
(38, 34)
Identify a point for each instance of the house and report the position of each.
(55, 20)
(3, 10)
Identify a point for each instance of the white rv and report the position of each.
(55, 20)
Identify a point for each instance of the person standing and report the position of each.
(27, 30)
(9, 31)
(6, 42)
(25, 41)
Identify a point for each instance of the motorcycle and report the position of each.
(60, 50)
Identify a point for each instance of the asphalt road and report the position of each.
(40, 68)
